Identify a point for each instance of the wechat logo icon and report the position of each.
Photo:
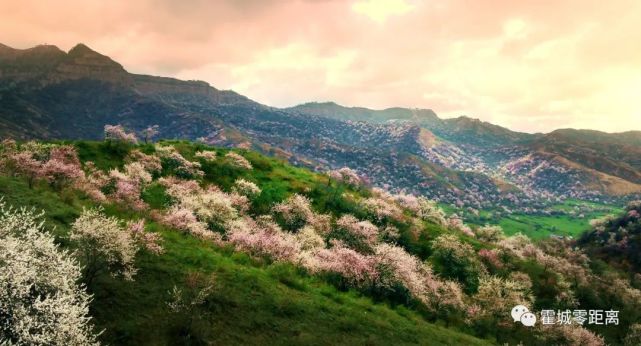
(521, 313)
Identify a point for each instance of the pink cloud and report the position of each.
(529, 65)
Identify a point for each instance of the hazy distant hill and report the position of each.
(48, 93)
(462, 129)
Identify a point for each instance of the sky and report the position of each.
(532, 66)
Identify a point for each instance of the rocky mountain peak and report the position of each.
(85, 56)
(81, 49)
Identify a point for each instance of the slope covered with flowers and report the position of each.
(210, 219)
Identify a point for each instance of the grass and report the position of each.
(540, 227)
(544, 226)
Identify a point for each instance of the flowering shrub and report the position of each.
(390, 234)
(151, 163)
(518, 244)
(184, 220)
(357, 231)
(137, 172)
(94, 181)
(24, 164)
(381, 208)
(104, 244)
(41, 302)
(309, 239)
(600, 223)
(149, 132)
(127, 189)
(174, 162)
(572, 335)
(62, 167)
(345, 175)
(262, 238)
(117, 133)
(40, 150)
(429, 211)
(296, 211)
(246, 188)
(454, 222)
(459, 261)
(212, 206)
(409, 202)
(237, 161)
(322, 223)
(357, 269)
(198, 288)
(491, 257)
(239, 202)
(490, 234)
(495, 294)
(180, 188)
(196, 209)
(206, 155)
(57, 164)
(150, 241)
(634, 205)
(397, 267)
(8, 146)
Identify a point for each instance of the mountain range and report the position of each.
(46, 93)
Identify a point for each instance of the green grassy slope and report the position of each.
(571, 218)
(253, 301)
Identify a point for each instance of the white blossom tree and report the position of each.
(104, 244)
(41, 302)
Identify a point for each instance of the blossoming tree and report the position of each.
(41, 302)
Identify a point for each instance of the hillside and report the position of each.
(46, 93)
(254, 301)
(616, 239)
(263, 252)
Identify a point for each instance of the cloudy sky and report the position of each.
(529, 65)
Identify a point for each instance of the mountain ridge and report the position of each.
(460, 161)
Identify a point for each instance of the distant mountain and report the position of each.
(47, 93)
(462, 129)
(334, 110)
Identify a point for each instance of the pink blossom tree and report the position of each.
(296, 211)
(382, 208)
(263, 238)
(345, 175)
(357, 270)
(150, 132)
(117, 133)
(24, 164)
(63, 166)
(184, 220)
